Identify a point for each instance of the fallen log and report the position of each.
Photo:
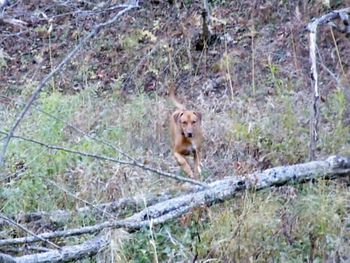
(218, 191)
(7, 258)
(117, 208)
(68, 253)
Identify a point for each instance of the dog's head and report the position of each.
(189, 122)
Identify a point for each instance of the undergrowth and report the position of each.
(252, 120)
(252, 228)
(294, 224)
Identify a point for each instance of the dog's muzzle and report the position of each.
(187, 135)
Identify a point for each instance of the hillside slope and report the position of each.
(252, 85)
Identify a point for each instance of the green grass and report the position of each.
(252, 228)
(297, 223)
(256, 227)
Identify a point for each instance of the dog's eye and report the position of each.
(184, 122)
(193, 122)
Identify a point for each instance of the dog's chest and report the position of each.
(190, 148)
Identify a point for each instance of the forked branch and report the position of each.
(314, 120)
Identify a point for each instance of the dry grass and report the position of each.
(244, 130)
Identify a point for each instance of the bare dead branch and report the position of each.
(90, 12)
(69, 233)
(11, 222)
(219, 191)
(12, 21)
(25, 249)
(75, 128)
(143, 60)
(103, 212)
(58, 68)
(314, 120)
(326, 18)
(130, 204)
(107, 158)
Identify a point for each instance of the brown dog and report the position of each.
(187, 136)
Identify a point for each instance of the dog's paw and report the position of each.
(197, 171)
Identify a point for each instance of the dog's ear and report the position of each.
(198, 114)
(177, 116)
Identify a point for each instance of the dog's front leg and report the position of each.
(184, 164)
(197, 163)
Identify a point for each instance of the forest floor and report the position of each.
(252, 85)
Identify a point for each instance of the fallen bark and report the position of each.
(218, 191)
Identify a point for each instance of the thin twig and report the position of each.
(322, 64)
(104, 212)
(137, 67)
(89, 12)
(253, 32)
(338, 53)
(118, 207)
(66, 233)
(60, 66)
(75, 128)
(107, 158)
(10, 221)
(228, 71)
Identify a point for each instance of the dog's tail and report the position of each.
(173, 98)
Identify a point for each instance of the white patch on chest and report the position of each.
(192, 148)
